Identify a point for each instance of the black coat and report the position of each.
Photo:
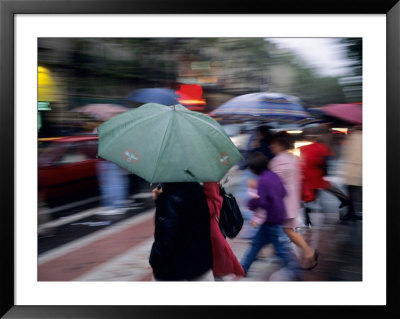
(182, 243)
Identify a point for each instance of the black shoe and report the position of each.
(350, 216)
(307, 222)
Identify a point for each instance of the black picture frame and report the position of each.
(8, 10)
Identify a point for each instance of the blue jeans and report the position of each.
(271, 234)
(113, 184)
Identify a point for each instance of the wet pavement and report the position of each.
(92, 220)
(120, 252)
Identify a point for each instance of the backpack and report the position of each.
(231, 219)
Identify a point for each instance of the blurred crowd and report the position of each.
(279, 189)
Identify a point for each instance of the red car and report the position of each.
(67, 169)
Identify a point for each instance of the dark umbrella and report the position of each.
(273, 107)
(316, 111)
(154, 95)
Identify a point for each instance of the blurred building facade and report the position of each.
(97, 70)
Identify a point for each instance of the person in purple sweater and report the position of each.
(270, 192)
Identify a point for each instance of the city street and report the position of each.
(116, 248)
(79, 218)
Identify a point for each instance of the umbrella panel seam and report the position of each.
(126, 128)
(162, 145)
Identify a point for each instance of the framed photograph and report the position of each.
(25, 292)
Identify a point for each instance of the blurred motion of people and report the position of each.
(182, 242)
(352, 173)
(259, 142)
(113, 187)
(225, 263)
(271, 193)
(314, 158)
(287, 167)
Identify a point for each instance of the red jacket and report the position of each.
(224, 260)
(313, 160)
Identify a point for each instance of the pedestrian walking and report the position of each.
(225, 263)
(352, 173)
(180, 149)
(182, 241)
(271, 193)
(287, 167)
(313, 163)
(258, 142)
(114, 185)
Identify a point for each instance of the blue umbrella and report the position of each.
(316, 111)
(154, 95)
(275, 107)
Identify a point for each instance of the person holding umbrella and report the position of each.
(182, 243)
(176, 148)
(224, 261)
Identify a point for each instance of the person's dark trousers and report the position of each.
(347, 200)
(355, 204)
(355, 194)
(339, 194)
(307, 220)
(344, 199)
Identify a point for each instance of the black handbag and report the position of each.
(231, 219)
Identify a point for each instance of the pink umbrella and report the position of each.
(348, 112)
(101, 112)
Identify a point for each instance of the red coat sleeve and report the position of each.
(214, 199)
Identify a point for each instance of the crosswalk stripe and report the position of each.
(74, 204)
(69, 219)
(100, 234)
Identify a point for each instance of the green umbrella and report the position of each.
(165, 144)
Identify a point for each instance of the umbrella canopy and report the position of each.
(154, 95)
(316, 111)
(271, 106)
(168, 144)
(351, 113)
(101, 112)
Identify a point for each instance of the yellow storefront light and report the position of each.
(46, 86)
